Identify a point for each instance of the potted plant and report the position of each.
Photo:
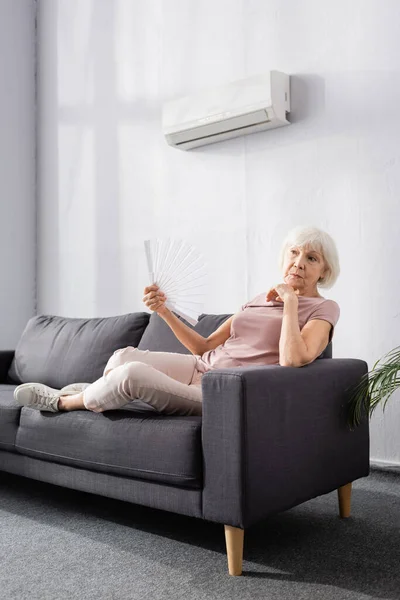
(375, 386)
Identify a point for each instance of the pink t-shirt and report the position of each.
(256, 330)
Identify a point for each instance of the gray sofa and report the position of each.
(269, 438)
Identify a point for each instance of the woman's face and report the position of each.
(307, 264)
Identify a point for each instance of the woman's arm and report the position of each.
(292, 348)
(193, 341)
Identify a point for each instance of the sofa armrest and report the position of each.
(274, 437)
(6, 357)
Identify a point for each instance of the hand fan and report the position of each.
(179, 271)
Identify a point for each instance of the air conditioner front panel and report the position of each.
(241, 96)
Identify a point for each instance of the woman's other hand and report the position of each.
(280, 292)
(154, 299)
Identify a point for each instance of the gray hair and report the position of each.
(321, 242)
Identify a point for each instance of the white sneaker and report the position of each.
(38, 395)
(75, 387)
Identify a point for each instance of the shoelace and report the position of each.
(44, 397)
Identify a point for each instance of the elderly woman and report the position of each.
(290, 325)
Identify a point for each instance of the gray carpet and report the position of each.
(61, 544)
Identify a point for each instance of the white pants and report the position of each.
(168, 381)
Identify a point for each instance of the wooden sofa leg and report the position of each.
(234, 537)
(344, 496)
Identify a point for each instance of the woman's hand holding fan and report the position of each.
(154, 299)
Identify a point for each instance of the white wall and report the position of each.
(108, 180)
(17, 168)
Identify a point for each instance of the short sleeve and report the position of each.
(250, 302)
(327, 311)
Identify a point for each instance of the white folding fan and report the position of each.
(179, 271)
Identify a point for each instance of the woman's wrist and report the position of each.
(291, 300)
(163, 312)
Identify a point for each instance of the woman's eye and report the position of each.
(294, 252)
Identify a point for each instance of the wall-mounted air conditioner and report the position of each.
(238, 108)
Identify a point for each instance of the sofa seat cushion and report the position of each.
(139, 443)
(58, 351)
(9, 417)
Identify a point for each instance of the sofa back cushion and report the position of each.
(58, 351)
(159, 337)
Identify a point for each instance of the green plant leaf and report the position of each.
(374, 387)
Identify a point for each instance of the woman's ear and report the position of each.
(324, 274)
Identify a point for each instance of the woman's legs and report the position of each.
(161, 379)
(136, 380)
